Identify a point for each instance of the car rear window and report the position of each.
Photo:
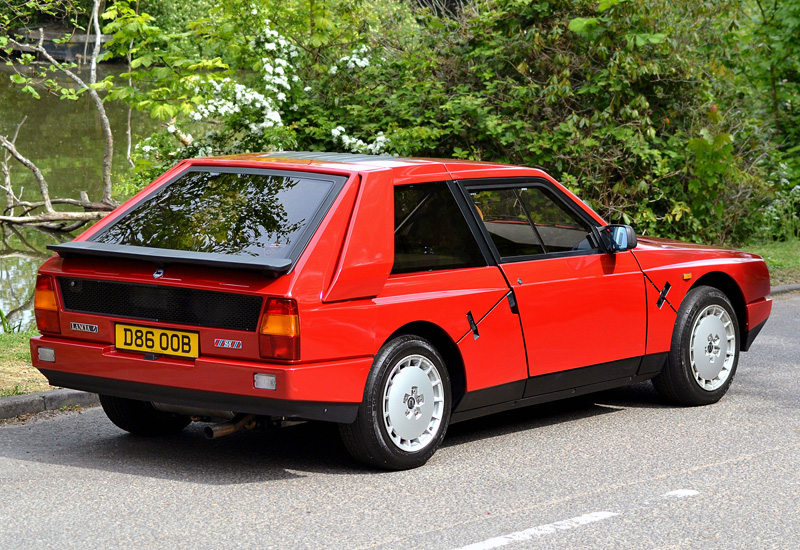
(256, 213)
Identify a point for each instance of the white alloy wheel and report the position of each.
(413, 403)
(704, 351)
(406, 408)
(712, 348)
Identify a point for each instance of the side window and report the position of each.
(559, 228)
(507, 222)
(524, 221)
(430, 232)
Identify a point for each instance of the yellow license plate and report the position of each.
(158, 341)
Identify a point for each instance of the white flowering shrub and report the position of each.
(355, 145)
(358, 59)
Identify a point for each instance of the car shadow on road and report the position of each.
(89, 440)
(641, 395)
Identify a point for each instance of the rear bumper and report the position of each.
(316, 391)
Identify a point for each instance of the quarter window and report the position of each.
(430, 233)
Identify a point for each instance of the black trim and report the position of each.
(544, 398)
(166, 256)
(652, 364)
(573, 378)
(491, 396)
(558, 385)
(162, 303)
(466, 206)
(751, 334)
(307, 410)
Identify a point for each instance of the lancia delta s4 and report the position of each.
(390, 296)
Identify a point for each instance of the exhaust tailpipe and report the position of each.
(227, 428)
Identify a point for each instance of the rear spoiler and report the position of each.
(163, 256)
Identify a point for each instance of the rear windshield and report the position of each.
(256, 214)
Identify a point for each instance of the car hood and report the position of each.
(655, 252)
(667, 260)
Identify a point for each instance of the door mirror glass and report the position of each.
(617, 238)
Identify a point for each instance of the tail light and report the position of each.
(279, 332)
(45, 305)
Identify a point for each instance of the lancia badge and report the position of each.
(158, 274)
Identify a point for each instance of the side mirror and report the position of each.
(617, 238)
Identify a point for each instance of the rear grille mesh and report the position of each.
(185, 306)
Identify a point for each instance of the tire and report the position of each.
(406, 408)
(141, 418)
(705, 350)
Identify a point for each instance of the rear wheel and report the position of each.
(140, 417)
(406, 408)
(704, 352)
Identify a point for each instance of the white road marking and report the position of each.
(540, 531)
(681, 493)
(564, 525)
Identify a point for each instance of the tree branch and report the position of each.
(54, 217)
(98, 102)
(48, 206)
(96, 53)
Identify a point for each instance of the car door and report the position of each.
(442, 273)
(579, 306)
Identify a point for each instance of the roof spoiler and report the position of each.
(163, 256)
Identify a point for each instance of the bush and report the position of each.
(627, 102)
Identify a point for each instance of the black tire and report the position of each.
(376, 438)
(141, 418)
(688, 377)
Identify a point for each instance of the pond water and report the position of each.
(65, 140)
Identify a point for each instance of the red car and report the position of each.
(391, 296)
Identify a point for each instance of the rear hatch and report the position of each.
(182, 270)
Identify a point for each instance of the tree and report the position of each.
(31, 43)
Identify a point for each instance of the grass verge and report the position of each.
(17, 376)
(783, 260)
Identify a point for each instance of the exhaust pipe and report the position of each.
(227, 428)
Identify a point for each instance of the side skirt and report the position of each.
(558, 385)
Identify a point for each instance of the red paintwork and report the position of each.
(574, 311)
(566, 305)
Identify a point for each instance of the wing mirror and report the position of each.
(617, 238)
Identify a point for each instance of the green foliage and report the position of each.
(641, 107)
(174, 17)
(6, 324)
(14, 17)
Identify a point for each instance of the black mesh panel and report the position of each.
(184, 306)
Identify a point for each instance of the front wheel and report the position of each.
(704, 352)
(406, 408)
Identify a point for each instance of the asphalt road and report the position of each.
(614, 470)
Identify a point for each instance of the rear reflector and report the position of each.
(279, 335)
(45, 305)
(48, 355)
(265, 381)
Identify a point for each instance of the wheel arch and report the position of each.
(448, 350)
(728, 286)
